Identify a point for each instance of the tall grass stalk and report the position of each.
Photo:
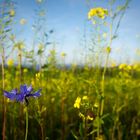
(26, 133)
(4, 102)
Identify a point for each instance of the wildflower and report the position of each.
(96, 105)
(23, 21)
(122, 66)
(89, 118)
(10, 62)
(81, 116)
(85, 98)
(25, 70)
(77, 103)
(113, 64)
(98, 12)
(108, 49)
(38, 75)
(23, 95)
(129, 67)
(12, 13)
(40, 46)
(19, 45)
(63, 54)
(135, 66)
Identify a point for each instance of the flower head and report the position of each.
(77, 103)
(12, 12)
(10, 62)
(98, 12)
(23, 95)
(23, 21)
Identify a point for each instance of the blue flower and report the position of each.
(23, 95)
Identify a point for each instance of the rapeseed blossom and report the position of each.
(89, 118)
(77, 103)
(10, 62)
(23, 21)
(12, 12)
(98, 12)
(85, 98)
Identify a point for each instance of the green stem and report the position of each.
(26, 123)
(103, 85)
(104, 70)
(20, 61)
(4, 102)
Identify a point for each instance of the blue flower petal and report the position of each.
(9, 95)
(20, 97)
(23, 89)
(29, 89)
(36, 94)
(14, 91)
(24, 92)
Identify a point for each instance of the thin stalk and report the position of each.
(26, 133)
(62, 118)
(103, 85)
(42, 131)
(20, 61)
(104, 71)
(4, 103)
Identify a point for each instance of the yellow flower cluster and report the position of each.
(12, 13)
(10, 62)
(63, 54)
(88, 117)
(77, 102)
(125, 67)
(99, 12)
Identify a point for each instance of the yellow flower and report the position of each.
(96, 105)
(77, 102)
(136, 66)
(33, 82)
(10, 62)
(25, 70)
(23, 21)
(63, 54)
(108, 49)
(129, 67)
(81, 116)
(20, 45)
(8, 100)
(122, 66)
(85, 98)
(38, 75)
(113, 64)
(99, 12)
(12, 13)
(92, 13)
(89, 118)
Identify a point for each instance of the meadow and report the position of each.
(93, 101)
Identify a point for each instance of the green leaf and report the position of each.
(81, 129)
(74, 135)
(93, 131)
(98, 122)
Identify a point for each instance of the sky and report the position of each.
(68, 19)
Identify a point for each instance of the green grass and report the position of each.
(53, 115)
